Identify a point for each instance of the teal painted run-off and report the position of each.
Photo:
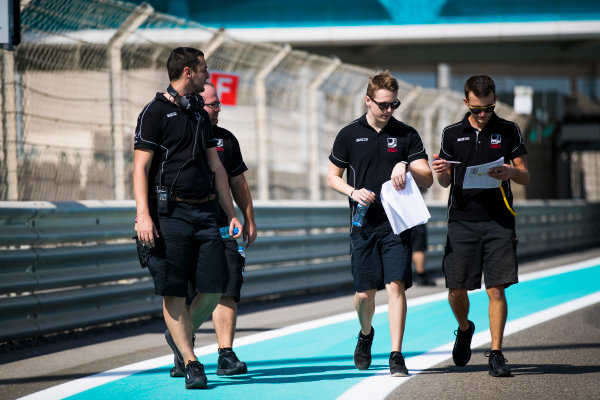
(318, 363)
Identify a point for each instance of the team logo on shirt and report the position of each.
(392, 144)
(362, 139)
(462, 139)
(219, 144)
(496, 141)
(174, 113)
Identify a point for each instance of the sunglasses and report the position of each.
(485, 109)
(216, 104)
(384, 105)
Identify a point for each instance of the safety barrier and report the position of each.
(72, 265)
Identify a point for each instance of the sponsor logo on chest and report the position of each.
(174, 113)
(362, 139)
(496, 141)
(392, 145)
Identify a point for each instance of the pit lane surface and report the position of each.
(554, 359)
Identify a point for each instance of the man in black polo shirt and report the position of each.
(174, 160)
(374, 149)
(481, 222)
(224, 316)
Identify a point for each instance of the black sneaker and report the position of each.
(461, 354)
(497, 364)
(229, 364)
(362, 352)
(195, 378)
(178, 371)
(397, 365)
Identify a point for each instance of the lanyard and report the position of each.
(506, 201)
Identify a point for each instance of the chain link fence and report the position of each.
(72, 91)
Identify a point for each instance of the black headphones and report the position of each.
(190, 102)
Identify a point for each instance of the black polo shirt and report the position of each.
(369, 158)
(462, 142)
(230, 154)
(167, 130)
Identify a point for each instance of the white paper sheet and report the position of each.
(404, 208)
(476, 176)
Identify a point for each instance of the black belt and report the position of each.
(190, 200)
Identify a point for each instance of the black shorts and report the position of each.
(188, 251)
(418, 238)
(236, 264)
(380, 257)
(473, 247)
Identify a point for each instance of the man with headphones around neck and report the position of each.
(224, 317)
(176, 171)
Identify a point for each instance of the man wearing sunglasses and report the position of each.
(373, 149)
(224, 316)
(481, 223)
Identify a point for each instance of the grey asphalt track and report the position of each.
(554, 360)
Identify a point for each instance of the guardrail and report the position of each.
(72, 265)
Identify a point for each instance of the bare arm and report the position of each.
(443, 169)
(243, 198)
(336, 182)
(144, 226)
(420, 171)
(518, 173)
(222, 186)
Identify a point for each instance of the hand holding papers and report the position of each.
(404, 208)
(476, 176)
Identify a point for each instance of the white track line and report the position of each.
(376, 387)
(382, 384)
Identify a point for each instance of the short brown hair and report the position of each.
(180, 58)
(384, 80)
(480, 86)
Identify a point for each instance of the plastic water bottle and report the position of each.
(224, 231)
(359, 216)
(241, 251)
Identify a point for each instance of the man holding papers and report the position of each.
(481, 222)
(374, 149)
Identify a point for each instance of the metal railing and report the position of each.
(72, 265)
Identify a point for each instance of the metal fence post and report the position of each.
(428, 116)
(213, 44)
(313, 128)
(10, 125)
(137, 18)
(262, 139)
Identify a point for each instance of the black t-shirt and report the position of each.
(462, 142)
(167, 130)
(369, 158)
(228, 149)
